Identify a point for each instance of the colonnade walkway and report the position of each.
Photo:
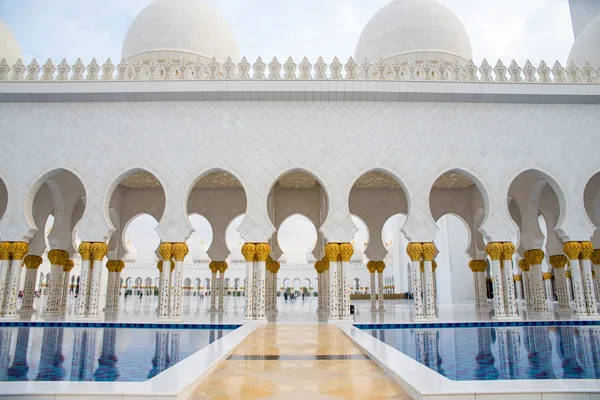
(293, 362)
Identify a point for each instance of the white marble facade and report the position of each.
(171, 133)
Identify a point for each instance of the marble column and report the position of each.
(111, 266)
(494, 250)
(482, 279)
(372, 267)
(18, 250)
(518, 283)
(117, 290)
(221, 302)
(524, 267)
(346, 251)
(332, 250)
(559, 263)
(32, 264)
(4, 268)
(534, 258)
(429, 251)
(262, 253)
(474, 271)
(508, 250)
(573, 251)
(587, 251)
(548, 285)
(58, 259)
(85, 251)
(99, 251)
(165, 288)
(415, 251)
(180, 250)
(64, 296)
(249, 252)
(380, 265)
(214, 286)
(596, 264)
(569, 284)
(275, 269)
(269, 285)
(319, 269)
(326, 292)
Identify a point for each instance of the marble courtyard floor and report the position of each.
(292, 362)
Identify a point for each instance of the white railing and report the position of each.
(380, 71)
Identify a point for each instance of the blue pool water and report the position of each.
(96, 354)
(564, 352)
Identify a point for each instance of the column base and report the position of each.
(588, 317)
(26, 311)
(505, 318)
(377, 310)
(418, 319)
(433, 318)
(8, 317)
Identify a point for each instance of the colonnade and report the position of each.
(376, 268)
(424, 305)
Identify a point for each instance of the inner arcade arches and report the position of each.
(141, 241)
(395, 243)
(591, 199)
(297, 237)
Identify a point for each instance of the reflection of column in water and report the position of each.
(504, 363)
(175, 340)
(51, 358)
(514, 353)
(540, 353)
(432, 351)
(5, 345)
(588, 360)
(486, 370)
(161, 359)
(568, 354)
(107, 363)
(84, 355)
(382, 335)
(420, 346)
(595, 333)
(19, 369)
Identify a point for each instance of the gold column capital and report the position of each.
(85, 250)
(508, 249)
(428, 251)
(587, 250)
(69, 265)
(482, 265)
(523, 264)
(380, 265)
(159, 265)
(596, 257)
(18, 250)
(372, 266)
(433, 265)
(166, 251)
(276, 267)
(517, 278)
(325, 264)
(99, 250)
(56, 257)
(121, 266)
(223, 266)
(572, 250)
(332, 250)
(5, 251)
(318, 266)
(414, 251)
(558, 261)
(32, 262)
(262, 252)
(473, 266)
(568, 274)
(180, 250)
(249, 252)
(494, 250)
(346, 251)
(534, 256)
(214, 266)
(547, 275)
(111, 265)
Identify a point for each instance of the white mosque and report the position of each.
(473, 181)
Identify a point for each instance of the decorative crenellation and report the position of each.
(427, 70)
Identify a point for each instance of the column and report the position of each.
(318, 268)
(346, 251)
(559, 263)
(262, 253)
(117, 290)
(596, 263)
(32, 264)
(518, 283)
(99, 250)
(85, 251)
(428, 254)
(548, 285)
(180, 250)
(275, 269)
(4, 268)
(508, 250)
(326, 292)
(573, 251)
(524, 267)
(332, 250)
(482, 280)
(569, 286)
(536, 283)
(166, 252)
(415, 251)
(222, 269)
(64, 296)
(249, 252)
(587, 251)
(111, 266)
(214, 286)
(18, 250)
(58, 259)
(494, 250)
(372, 267)
(474, 271)
(269, 285)
(159, 266)
(380, 265)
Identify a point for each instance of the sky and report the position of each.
(506, 29)
(499, 29)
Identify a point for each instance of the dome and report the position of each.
(587, 45)
(9, 47)
(131, 253)
(200, 254)
(416, 29)
(179, 28)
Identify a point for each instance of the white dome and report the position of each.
(416, 29)
(587, 46)
(200, 253)
(179, 28)
(131, 253)
(9, 47)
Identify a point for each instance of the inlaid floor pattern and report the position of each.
(316, 362)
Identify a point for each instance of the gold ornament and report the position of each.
(433, 265)
(111, 265)
(587, 250)
(319, 267)
(159, 265)
(414, 251)
(517, 278)
(223, 266)
(85, 250)
(547, 275)
(428, 251)
(249, 252)
(99, 250)
(262, 252)
(180, 250)
(70, 264)
(372, 266)
(333, 252)
(55, 256)
(172, 265)
(596, 257)
(568, 274)
(558, 261)
(346, 251)
(473, 265)
(508, 249)
(380, 265)
(325, 264)
(166, 251)
(214, 266)
(523, 265)
(494, 250)
(18, 250)
(534, 256)
(5, 251)
(32, 262)
(121, 266)
(572, 250)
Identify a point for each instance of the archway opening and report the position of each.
(141, 241)
(591, 198)
(3, 198)
(360, 240)
(297, 237)
(395, 243)
(199, 242)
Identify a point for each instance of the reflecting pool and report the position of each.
(545, 352)
(96, 354)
